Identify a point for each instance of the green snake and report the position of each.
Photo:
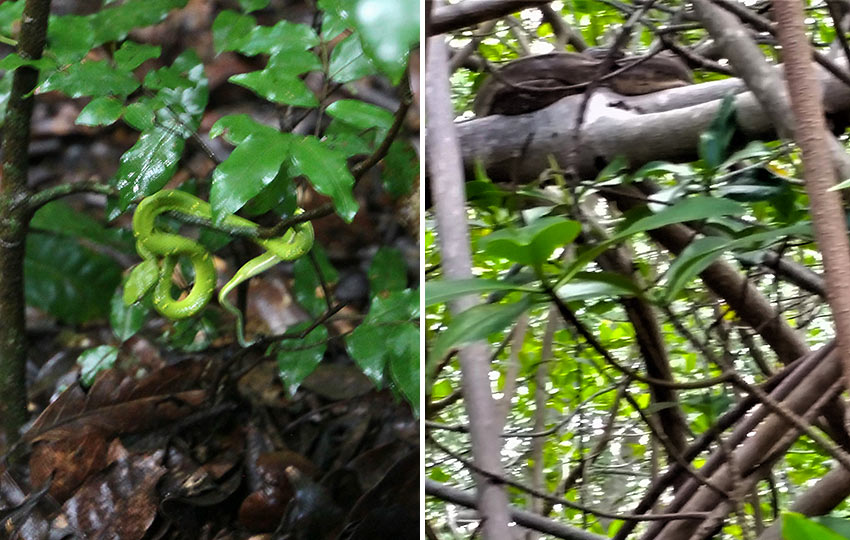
(161, 250)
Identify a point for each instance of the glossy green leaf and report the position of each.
(703, 251)
(295, 363)
(403, 345)
(661, 168)
(798, 527)
(307, 286)
(235, 128)
(70, 37)
(277, 87)
(132, 55)
(437, 292)
(115, 23)
(367, 345)
(60, 218)
(592, 285)
(533, 244)
(184, 105)
(691, 261)
(148, 165)
(361, 115)
(383, 335)
(394, 307)
(714, 142)
(101, 111)
(67, 280)
(5, 90)
(91, 78)
(349, 62)
(285, 36)
(231, 30)
(10, 13)
(401, 169)
(387, 31)
(249, 168)
(754, 185)
(690, 209)
(474, 324)
(93, 361)
(327, 171)
(388, 271)
(252, 5)
(13, 61)
(126, 320)
(836, 524)
(139, 116)
(141, 280)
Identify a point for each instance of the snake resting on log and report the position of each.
(533, 82)
(161, 250)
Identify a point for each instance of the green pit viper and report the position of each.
(161, 250)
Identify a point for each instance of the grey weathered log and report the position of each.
(660, 126)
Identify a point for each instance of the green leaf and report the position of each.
(474, 324)
(141, 279)
(247, 170)
(10, 13)
(661, 168)
(714, 142)
(797, 527)
(404, 363)
(307, 286)
(754, 185)
(91, 78)
(114, 23)
(183, 105)
(70, 38)
(615, 169)
(252, 5)
(387, 31)
(690, 209)
(126, 320)
(139, 116)
(367, 346)
(231, 30)
(695, 258)
(285, 36)
(388, 271)
(235, 128)
(533, 244)
(101, 111)
(13, 61)
(394, 307)
(72, 283)
(93, 361)
(401, 169)
(836, 524)
(327, 171)
(295, 364)
(277, 87)
(147, 166)
(361, 115)
(132, 55)
(590, 285)
(5, 90)
(59, 218)
(384, 335)
(348, 62)
(437, 292)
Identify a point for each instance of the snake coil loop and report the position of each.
(155, 245)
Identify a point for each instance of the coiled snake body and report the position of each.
(161, 250)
